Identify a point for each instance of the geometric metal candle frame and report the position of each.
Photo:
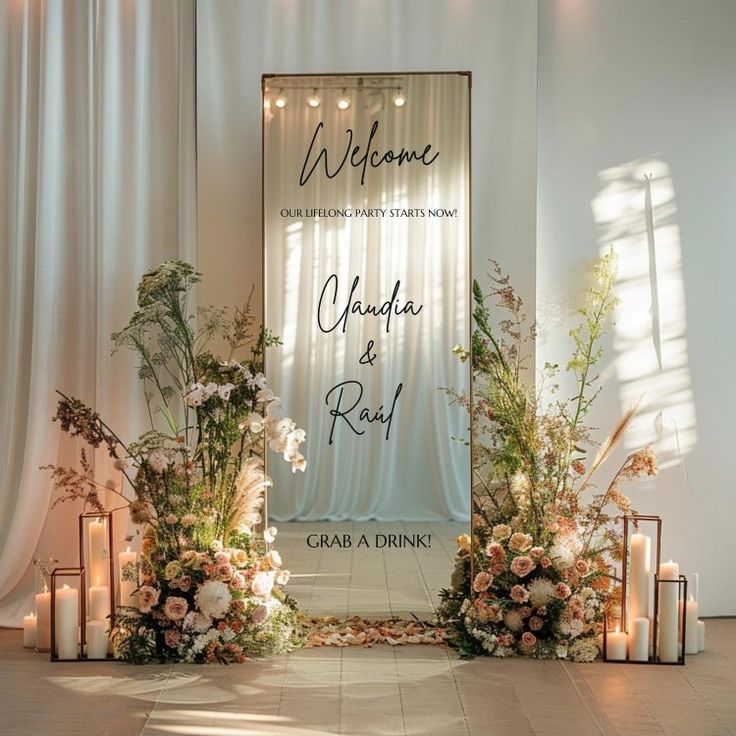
(634, 520)
(681, 583)
(69, 572)
(82, 556)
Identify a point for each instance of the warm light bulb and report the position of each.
(280, 100)
(399, 99)
(343, 101)
(313, 100)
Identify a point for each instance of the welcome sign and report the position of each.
(366, 247)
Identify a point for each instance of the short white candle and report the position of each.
(616, 645)
(639, 639)
(43, 620)
(701, 636)
(640, 573)
(29, 631)
(668, 645)
(691, 626)
(99, 602)
(96, 639)
(128, 577)
(99, 561)
(67, 622)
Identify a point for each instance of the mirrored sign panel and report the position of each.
(367, 248)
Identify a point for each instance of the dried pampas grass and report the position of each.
(610, 443)
(250, 490)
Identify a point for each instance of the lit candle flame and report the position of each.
(128, 549)
(65, 587)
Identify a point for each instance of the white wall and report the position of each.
(237, 41)
(628, 88)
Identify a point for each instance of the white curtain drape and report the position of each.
(97, 106)
(418, 473)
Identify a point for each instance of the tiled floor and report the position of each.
(373, 580)
(415, 690)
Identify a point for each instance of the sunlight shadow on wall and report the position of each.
(650, 335)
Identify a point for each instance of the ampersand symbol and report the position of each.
(368, 356)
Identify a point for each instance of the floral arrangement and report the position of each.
(537, 577)
(209, 582)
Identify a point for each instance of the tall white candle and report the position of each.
(616, 645)
(701, 636)
(29, 631)
(128, 576)
(43, 620)
(96, 639)
(98, 571)
(99, 602)
(639, 639)
(67, 622)
(640, 573)
(691, 626)
(668, 613)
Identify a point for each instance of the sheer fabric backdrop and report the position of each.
(98, 161)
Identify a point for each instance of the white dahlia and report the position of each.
(213, 598)
(541, 591)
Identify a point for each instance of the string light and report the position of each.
(313, 99)
(343, 102)
(399, 99)
(280, 101)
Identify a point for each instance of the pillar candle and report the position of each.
(640, 572)
(701, 636)
(43, 621)
(639, 639)
(668, 644)
(98, 572)
(616, 645)
(99, 602)
(691, 626)
(128, 575)
(29, 631)
(96, 639)
(67, 622)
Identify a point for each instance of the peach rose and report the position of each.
(176, 608)
(501, 531)
(520, 542)
(519, 594)
(463, 543)
(522, 566)
(562, 591)
(582, 567)
(536, 553)
(147, 598)
(482, 582)
(528, 639)
(535, 623)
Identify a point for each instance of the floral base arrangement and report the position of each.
(537, 576)
(209, 582)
